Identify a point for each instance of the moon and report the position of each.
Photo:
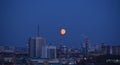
(62, 31)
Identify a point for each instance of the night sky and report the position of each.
(97, 19)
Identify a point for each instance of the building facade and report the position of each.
(105, 49)
(49, 52)
(116, 50)
(35, 46)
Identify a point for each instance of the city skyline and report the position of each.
(99, 20)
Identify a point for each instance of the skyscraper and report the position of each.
(116, 50)
(105, 49)
(35, 46)
(86, 47)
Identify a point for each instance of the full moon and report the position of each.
(62, 31)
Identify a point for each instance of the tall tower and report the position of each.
(35, 45)
(62, 32)
(86, 46)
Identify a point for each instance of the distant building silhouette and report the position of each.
(105, 49)
(7, 53)
(86, 46)
(64, 49)
(116, 50)
(49, 52)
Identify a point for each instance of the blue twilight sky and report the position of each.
(97, 19)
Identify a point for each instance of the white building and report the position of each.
(49, 52)
(35, 46)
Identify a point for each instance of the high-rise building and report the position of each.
(49, 52)
(35, 46)
(105, 49)
(116, 50)
(85, 47)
